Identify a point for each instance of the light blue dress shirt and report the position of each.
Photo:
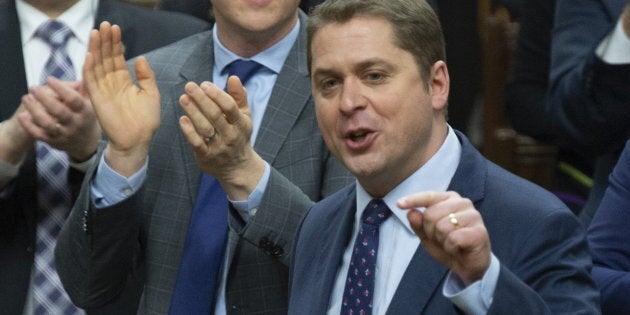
(398, 242)
(109, 187)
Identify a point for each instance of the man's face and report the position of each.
(255, 16)
(373, 109)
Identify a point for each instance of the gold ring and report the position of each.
(453, 219)
(57, 130)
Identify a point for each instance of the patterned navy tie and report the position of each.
(200, 269)
(53, 193)
(359, 291)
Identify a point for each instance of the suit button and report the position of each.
(29, 249)
(277, 252)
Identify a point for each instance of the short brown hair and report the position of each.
(415, 25)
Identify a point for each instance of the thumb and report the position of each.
(146, 76)
(415, 221)
(238, 92)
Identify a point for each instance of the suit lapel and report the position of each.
(470, 176)
(197, 68)
(418, 285)
(332, 243)
(289, 97)
(424, 275)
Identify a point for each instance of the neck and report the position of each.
(52, 8)
(249, 43)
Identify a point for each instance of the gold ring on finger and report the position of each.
(453, 219)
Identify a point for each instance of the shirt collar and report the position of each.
(272, 58)
(79, 18)
(435, 174)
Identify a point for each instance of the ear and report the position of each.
(439, 85)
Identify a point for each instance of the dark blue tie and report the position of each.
(359, 291)
(200, 270)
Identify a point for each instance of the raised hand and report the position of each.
(451, 231)
(61, 115)
(129, 114)
(218, 127)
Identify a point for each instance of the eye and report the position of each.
(374, 76)
(328, 84)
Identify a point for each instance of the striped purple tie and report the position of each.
(54, 196)
(359, 291)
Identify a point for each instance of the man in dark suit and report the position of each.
(144, 30)
(431, 227)
(609, 240)
(186, 137)
(588, 94)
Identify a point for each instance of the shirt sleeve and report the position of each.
(477, 297)
(82, 166)
(8, 172)
(615, 48)
(109, 188)
(247, 208)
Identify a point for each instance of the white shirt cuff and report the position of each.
(615, 48)
(82, 166)
(477, 297)
(8, 172)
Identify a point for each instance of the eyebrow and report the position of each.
(357, 68)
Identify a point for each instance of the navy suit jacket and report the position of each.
(609, 240)
(589, 98)
(142, 30)
(540, 244)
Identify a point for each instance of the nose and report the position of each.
(352, 97)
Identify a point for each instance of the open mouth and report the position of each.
(358, 136)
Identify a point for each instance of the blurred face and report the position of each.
(52, 8)
(373, 109)
(264, 17)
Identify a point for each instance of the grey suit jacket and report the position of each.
(145, 234)
(539, 243)
(18, 210)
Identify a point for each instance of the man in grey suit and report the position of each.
(160, 141)
(431, 226)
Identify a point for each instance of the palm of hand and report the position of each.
(129, 114)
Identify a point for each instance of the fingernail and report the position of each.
(206, 85)
(190, 87)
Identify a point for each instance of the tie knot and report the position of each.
(243, 69)
(55, 33)
(376, 212)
